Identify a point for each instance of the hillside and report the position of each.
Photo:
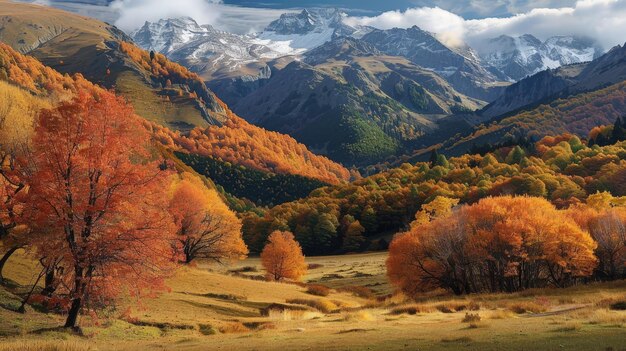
(577, 114)
(561, 169)
(232, 142)
(349, 101)
(71, 44)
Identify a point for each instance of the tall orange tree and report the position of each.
(282, 257)
(99, 199)
(498, 244)
(207, 229)
(12, 185)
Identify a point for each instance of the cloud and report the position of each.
(134, 13)
(603, 20)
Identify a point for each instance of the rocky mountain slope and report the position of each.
(561, 82)
(519, 57)
(72, 44)
(460, 66)
(348, 100)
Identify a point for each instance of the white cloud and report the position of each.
(603, 20)
(134, 13)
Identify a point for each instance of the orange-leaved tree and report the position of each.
(98, 196)
(498, 244)
(207, 229)
(12, 178)
(282, 257)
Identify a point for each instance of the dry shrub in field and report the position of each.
(473, 306)
(259, 325)
(233, 327)
(471, 318)
(526, 307)
(500, 314)
(451, 307)
(318, 290)
(618, 306)
(359, 291)
(293, 315)
(359, 316)
(410, 309)
(322, 305)
(315, 266)
(206, 329)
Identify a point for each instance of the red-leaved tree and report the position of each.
(100, 200)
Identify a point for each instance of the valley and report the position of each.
(212, 176)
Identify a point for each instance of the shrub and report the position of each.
(322, 305)
(318, 290)
(619, 306)
(233, 327)
(526, 307)
(359, 291)
(410, 309)
(360, 316)
(471, 318)
(206, 329)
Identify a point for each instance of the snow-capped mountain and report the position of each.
(207, 50)
(461, 66)
(518, 57)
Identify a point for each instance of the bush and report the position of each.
(526, 307)
(318, 290)
(410, 309)
(619, 306)
(206, 329)
(234, 327)
(322, 305)
(359, 291)
(451, 307)
(471, 318)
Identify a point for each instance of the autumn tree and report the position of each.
(12, 181)
(282, 257)
(207, 229)
(353, 240)
(98, 195)
(499, 244)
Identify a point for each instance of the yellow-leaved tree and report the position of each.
(282, 257)
(207, 228)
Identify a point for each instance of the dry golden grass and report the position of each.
(209, 309)
(42, 345)
(322, 305)
(359, 316)
(522, 307)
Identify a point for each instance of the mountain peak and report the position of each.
(518, 57)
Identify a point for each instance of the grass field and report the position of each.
(214, 307)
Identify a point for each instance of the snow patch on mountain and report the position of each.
(518, 57)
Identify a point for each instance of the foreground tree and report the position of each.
(98, 197)
(207, 229)
(282, 257)
(12, 181)
(500, 244)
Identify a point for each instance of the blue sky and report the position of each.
(456, 21)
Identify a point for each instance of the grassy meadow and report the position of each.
(212, 307)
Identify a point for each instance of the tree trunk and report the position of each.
(49, 287)
(4, 260)
(72, 315)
